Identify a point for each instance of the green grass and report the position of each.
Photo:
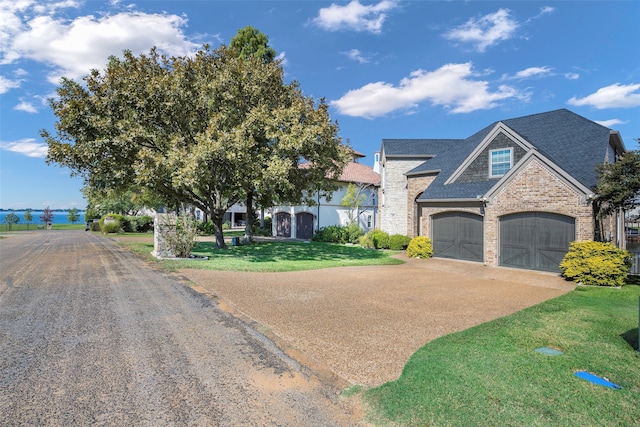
(274, 256)
(490, 375)
(34, 226)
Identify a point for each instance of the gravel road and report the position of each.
(90, 335)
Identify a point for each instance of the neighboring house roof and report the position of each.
(573, 143)
(359, 173)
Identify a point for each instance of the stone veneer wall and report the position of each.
(393, 197)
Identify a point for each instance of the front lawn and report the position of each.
(491, 375)
(273, 256)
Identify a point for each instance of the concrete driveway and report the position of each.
(360, 325)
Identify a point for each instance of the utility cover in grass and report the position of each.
(549, 351)
(596, 379)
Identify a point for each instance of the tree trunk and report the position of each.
(216, 218)
(248, 229)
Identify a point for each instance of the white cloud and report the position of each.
(281, 57)
(531, 72)
(572, 76)
(7, 84)
(354, 16)
(451, 86)
(485, 31)
(356, 55)
(610, 123)
(73, 47)
(28, 147)
(613, 96)
(27, 107)
(543, 11)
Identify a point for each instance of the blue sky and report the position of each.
(389, 69)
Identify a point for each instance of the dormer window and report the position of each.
(500, 162)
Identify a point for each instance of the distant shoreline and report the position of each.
(41, 210)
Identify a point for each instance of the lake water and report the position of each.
(58, 217)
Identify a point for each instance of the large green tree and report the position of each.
(247, 44)
(186, 129)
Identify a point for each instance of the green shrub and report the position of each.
(94, 226)
(331, 234)
(420, 247)
(206, 227)
(128, 224)
(399, 242)
(111, 227)
(379, 238)
(111, 223)
(596, 263)
(354, 232)
(226, 225)
(366, 242)
(144, 223)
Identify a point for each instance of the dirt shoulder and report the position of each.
(360, 325)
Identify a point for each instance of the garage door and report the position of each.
(304, 225)
(283, 224)
(458, 235)
(535, 240)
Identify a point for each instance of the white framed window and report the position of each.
(500, 162)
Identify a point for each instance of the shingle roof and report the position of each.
(359, 173)
(573, 142)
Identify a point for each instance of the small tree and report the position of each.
(73, 216)
(619, 183)
(355, 197)
(28, 217)
(11, 219)
(47, 216)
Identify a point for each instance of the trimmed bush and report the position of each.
(596, 263)
(398, 242)
(111, 223)
(379, 238)
(366, 242)
(331, 234)
(420, 247)
(94, 226)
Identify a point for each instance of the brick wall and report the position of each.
(415, 187)
(535, 189)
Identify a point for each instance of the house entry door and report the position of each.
(304, 225)
(283, 224)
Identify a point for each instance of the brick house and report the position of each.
(514, 194)
(301, 221)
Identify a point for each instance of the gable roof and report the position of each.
(573, 143)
